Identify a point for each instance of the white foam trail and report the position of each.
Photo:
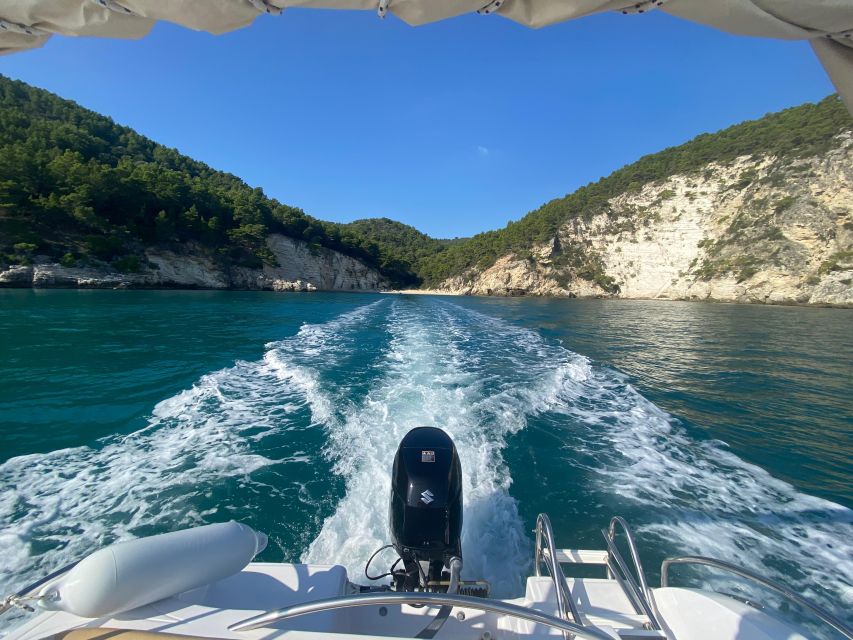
(434, 376)
(74, 499)
(700, 497)
(477, 377)
(59, 506)
(706, 500)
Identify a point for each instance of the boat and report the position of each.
(203, 583)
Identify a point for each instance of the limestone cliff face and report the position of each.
(299, 268)
(754, 230)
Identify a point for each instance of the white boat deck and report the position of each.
(208, 611)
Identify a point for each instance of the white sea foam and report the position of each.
(477, 377)
(58, 506)
(434, 374)
(702, 498)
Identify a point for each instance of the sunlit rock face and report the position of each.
(298, 268)
(753, 230)
(319, 268)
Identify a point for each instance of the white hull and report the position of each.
(208, 611)
(274, 600)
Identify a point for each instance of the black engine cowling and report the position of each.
(426, 501)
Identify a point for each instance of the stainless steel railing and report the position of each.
(430, 599)
(638, 594)
(632, 547)
(817, 610)
(565, 602)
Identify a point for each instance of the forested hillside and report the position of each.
(80, 189)
(806, 130)
(412, 246)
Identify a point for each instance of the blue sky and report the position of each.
(455, 127)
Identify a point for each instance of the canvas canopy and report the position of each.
(827, 24)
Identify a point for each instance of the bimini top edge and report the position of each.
(826, 24)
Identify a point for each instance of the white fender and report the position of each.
(131, 574)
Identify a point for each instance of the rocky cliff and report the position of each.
(756, 229)
(299, 267)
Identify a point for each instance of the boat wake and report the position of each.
(684, 494)
(428, 380)
(201, 458)
(299, 444)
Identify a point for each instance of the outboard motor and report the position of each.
(426, 508)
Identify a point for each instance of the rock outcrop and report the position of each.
(753, 230)
(299, 267)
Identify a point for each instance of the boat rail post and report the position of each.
(565, 603)
(632, 547)
(640, 595)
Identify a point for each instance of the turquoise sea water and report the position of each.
(720, 430)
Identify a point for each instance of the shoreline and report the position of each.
(417, 292)
(422, 292)
(801, 305)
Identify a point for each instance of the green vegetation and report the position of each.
(783, 204)
(754, 230)
(799, 132)
(745, 179)
(411, 246)
(664, 195)
(78, 188)
(835, 261)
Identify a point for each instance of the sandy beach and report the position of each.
(422, 292)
